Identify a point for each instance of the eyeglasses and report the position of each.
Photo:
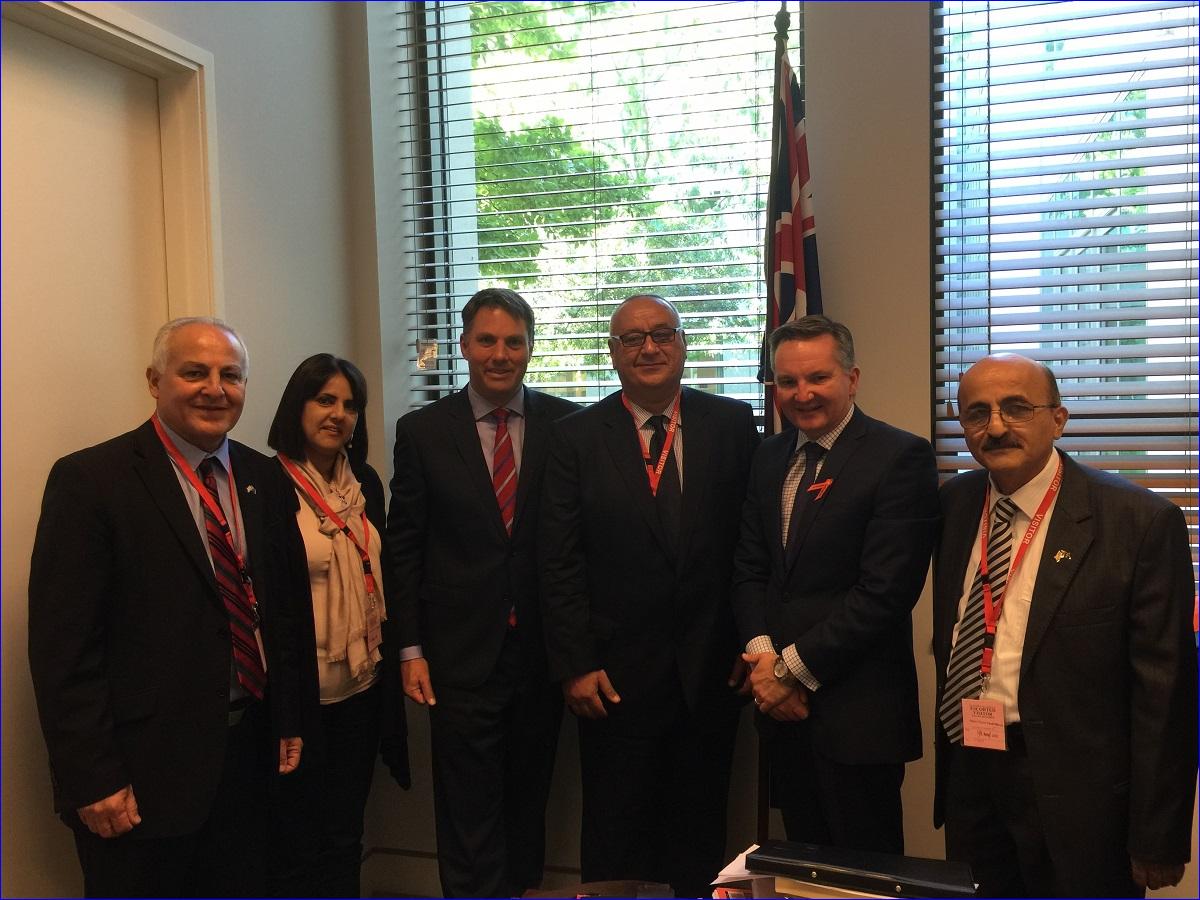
(632, 339)
(1012, 412)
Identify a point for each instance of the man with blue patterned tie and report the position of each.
(837, 530)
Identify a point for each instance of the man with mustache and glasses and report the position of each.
(639, 524)
(837, 531)
(166, 642)
(461, 533)
(1066, 661)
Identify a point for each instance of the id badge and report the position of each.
(983, 724)
(374, 633)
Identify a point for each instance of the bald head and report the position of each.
(1015, 362)
(650, 371)
(643, 301)
(1005, 388)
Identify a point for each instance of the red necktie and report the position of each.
(504, 480)
(504, 470)
(246, 660)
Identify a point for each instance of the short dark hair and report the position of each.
(499, 298)
(287, 436)
(808, 327)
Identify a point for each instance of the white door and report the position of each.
(84, 289)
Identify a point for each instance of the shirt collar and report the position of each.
(193, 454)
(1029, 495)
(481, 407)
(641, 415)
(828, 439)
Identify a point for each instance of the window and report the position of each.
(582, 152)
(1065, 207)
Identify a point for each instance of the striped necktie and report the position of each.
(504, 470)
(242, 617)
(962, 674)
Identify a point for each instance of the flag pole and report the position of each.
(778, 135)
(782, 25)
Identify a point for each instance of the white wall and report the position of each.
(867, 93)
(291, 130)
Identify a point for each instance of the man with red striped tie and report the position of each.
(460, 533)
(164, 641)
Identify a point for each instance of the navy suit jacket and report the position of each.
(845, 597)
(455, 572)
(1108, 670)
(615, 597)
(129, 641)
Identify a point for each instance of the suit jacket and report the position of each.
(614, 595)
(455, 571)
(1107, 695)
(129, 641)
(845, 597)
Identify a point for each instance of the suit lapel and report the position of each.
(697, 430)
(249, 504)
(839, 454)
(1070, 530)
(533, 452)
(624, 446)
(960, 531)
(775, 467)
(465, 435)
(154, 468)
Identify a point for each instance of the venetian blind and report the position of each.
(579, 153)
(1065, 207)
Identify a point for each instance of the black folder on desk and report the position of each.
(886, 874)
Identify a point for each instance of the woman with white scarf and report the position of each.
(320, 434)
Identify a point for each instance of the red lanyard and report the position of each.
(211, 502)
(992, 608)
(310, 491)
(654, 472)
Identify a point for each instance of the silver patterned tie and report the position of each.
(962, 675)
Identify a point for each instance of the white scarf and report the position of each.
(347, 602)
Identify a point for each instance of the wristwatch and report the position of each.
(783, 674)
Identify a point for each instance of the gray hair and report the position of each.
(162, 341)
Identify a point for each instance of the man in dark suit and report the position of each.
(1066, 754)
(639, 524)
(462, 527)
(837, 531)
(168, 690)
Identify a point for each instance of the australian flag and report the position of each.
(793, 277)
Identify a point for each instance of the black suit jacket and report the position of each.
(455, 572)
(1108, 670)
(128, 639)
(845, 598)
(614, 595)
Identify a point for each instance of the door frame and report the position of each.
(188, 141)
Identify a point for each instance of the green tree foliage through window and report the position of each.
(581, 152)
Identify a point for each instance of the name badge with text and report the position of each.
(983, 724)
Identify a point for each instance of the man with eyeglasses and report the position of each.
(839, 523)
(641, 503)
(1062, 633)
